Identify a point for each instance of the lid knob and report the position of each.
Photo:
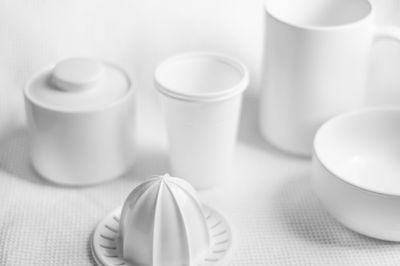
(76, 74)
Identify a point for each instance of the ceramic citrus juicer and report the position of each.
(162, 223)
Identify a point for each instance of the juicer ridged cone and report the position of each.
(162, 223)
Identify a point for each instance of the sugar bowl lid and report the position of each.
(78, 84)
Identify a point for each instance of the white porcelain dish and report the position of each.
(356, 170)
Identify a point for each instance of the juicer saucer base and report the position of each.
(106, 242)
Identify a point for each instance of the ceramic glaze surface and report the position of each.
(319, 13)
(356, 156)
(81, 118)
(363, 149)
(201, 95)
(316, 60)
(162, 223)
(107, 249)
(78, 84)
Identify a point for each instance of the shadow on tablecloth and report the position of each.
(249, 130)
(14, 159)
(304, 217)
(14, 156)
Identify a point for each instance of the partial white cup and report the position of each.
(81, 118)
(316, 59)
(201, 96)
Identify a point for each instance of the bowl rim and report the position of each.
(343, 116)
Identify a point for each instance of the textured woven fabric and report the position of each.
(268, 198)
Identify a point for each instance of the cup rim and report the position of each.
(203, 97)
(324, 164)
(305, 26)
(131, 91)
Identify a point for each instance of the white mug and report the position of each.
(316, 58)
(81, 118)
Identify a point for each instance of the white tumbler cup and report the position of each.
(201, 96)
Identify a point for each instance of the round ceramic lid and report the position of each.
(78, 84)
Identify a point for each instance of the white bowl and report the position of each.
(356, 170)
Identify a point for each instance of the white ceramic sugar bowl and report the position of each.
(81, 118)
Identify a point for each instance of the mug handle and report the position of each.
(387, 33)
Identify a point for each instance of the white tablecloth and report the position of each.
(269, 200)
